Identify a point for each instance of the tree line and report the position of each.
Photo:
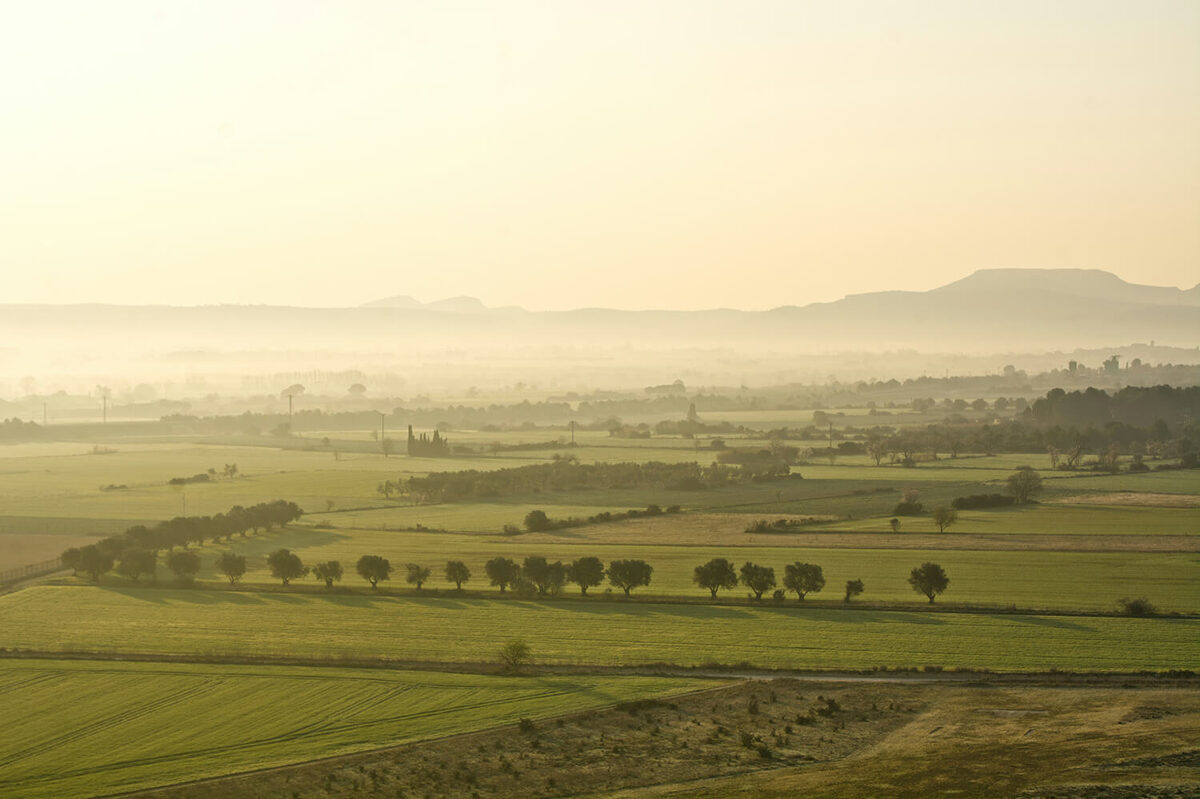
(135, 551)
(565, 474)
(535, 576)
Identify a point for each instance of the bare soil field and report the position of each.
(1135, 499)
(18, 550)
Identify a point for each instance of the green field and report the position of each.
(134, 725)
(1026, 579)
(1050, 519)
(450, 629)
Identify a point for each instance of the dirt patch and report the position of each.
(1135, 499)
(17, 550)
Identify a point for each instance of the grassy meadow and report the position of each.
(1068, 580)
(455, 629)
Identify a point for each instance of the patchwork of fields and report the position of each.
(1083, 547)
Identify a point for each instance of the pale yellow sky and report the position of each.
(555, 154)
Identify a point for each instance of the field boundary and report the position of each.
(713, 671)
(30, 570)
(616, 600)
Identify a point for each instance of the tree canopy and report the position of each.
(803, 578)
(330, 571)
(457, 573)
(1024, 483)
(417, 574)
(718, 573)
(184, 563)
(232, 565)
(286, 565)
(586, 572)
(929, 579)
(502, 572)
(629, 574)
(373, 568)
(757, 578)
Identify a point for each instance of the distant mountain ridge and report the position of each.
(1092, 284)
(994, 310)
(449, 305)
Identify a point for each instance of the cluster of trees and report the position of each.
(537, 521)
(802, 579)
(1022, 485)
(14, 430)
(537, 576)
(1156, 422)
(1135, 406)
(982, 501)
(135, 551)
(425, 446)
(779, 525)
(565, 474)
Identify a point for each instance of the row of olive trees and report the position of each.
(536, 576)
(135, 551)
(803, 579)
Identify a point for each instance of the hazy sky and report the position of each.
(557, 154)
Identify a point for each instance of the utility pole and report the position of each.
(572, 432)
(289, 410)
(383, 433)
(104, 413)
(44, 414)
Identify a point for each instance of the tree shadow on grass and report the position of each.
(191, 596)
(1056, 622)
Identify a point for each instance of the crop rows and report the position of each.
(134, 725)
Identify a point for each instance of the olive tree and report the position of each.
(929, 579)
(457, 573)
(718, 573)
(417, 574)
(185, 564)
(586, 573)
(373, 568)
(330, 571)
(757, 578)
(233, 566)
(502, 572)
(803, 578)
(286, 565)
(136, 562)
(629, 574)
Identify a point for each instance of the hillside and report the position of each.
(990, 311)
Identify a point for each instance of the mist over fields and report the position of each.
(1034, 319)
